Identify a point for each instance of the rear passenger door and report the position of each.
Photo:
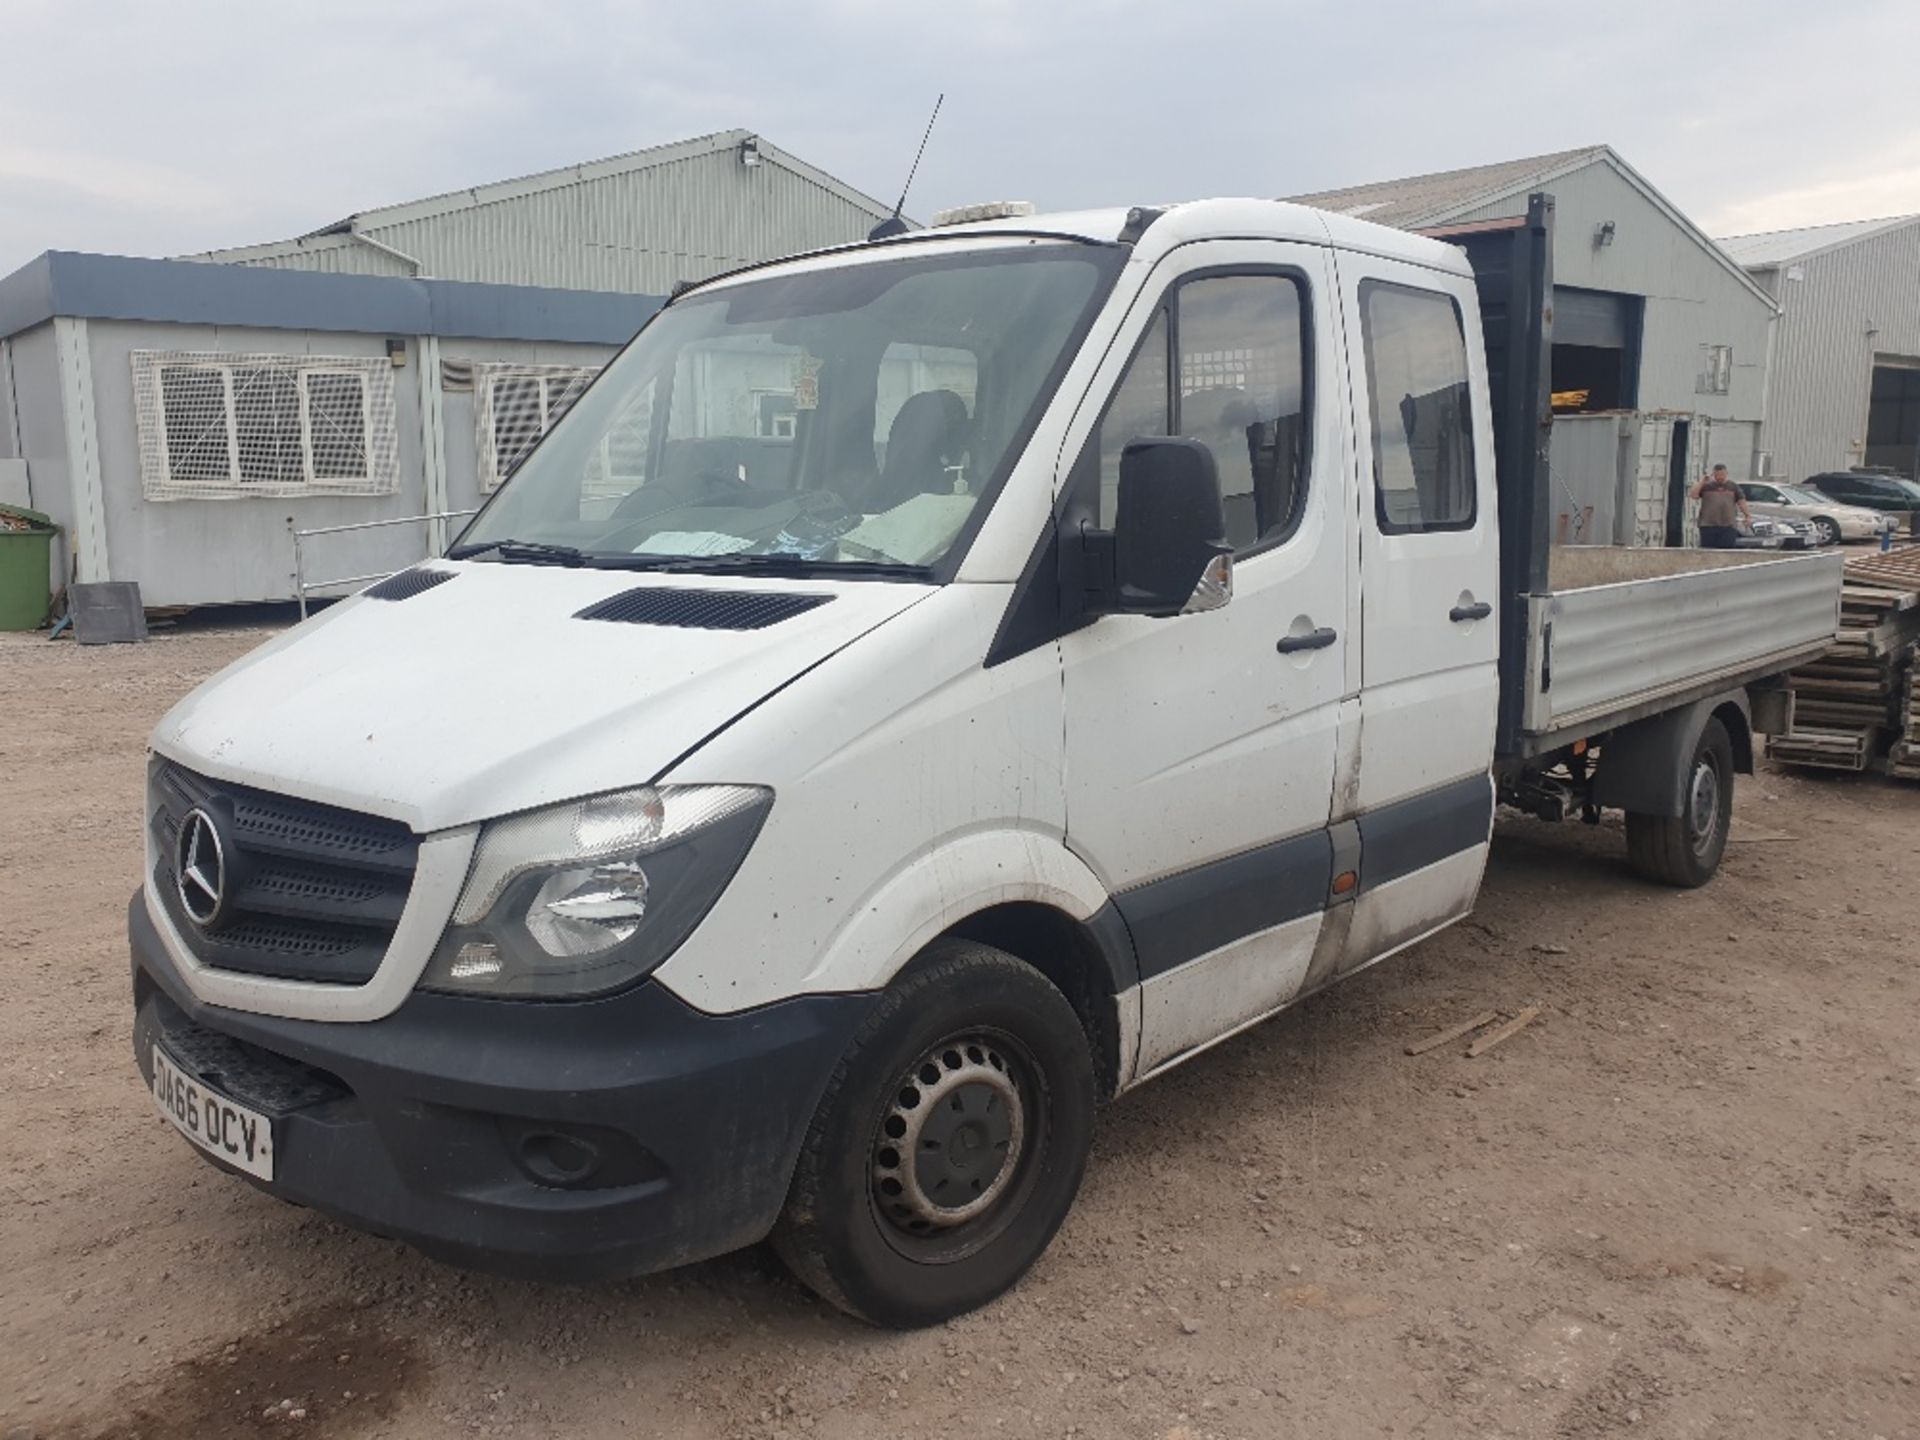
(1428, 583)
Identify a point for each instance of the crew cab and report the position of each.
(799, 830)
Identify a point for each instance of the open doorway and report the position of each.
(1677, 486)
(1587, 378)
(1596, 350)
(1893, 416)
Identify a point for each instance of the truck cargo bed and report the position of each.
(1622, 633)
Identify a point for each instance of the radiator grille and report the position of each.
(316, 892)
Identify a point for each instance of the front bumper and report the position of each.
(581, 1140)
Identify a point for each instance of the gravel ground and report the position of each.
(1684, 1202)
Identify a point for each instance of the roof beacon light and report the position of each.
(991, 210)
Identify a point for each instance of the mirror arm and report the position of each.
(1099, 582)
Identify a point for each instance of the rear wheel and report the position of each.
(1685, 849)
(1828, 530)
(949, 1144)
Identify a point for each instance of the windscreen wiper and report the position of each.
(522, 552)
(794, 565)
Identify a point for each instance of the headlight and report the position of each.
(586, 897)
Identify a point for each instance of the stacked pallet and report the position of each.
(1904, 759)
(1854, 708)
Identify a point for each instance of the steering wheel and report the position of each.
(702, 487)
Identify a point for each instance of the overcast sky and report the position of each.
(159, 128)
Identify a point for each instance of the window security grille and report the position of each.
(517, 405)
(219, 426)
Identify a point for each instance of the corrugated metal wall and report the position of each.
(1691, 298)
(331, 255)
(1824, 353)
(1589, 454)
(639, 232)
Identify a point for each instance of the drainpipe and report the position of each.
(1763, 438)
(432, 442)
(414, 267)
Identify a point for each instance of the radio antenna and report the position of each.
(893, 224)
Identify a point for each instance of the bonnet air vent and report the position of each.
(409, 583)
(700, 609)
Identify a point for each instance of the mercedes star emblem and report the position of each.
(200, 869)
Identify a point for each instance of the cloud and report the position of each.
(1882, 191)
(169, 129)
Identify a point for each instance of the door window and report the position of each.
(1423, 464)
(1238, 347)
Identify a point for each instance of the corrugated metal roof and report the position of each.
(342, 233)
(1425, 199)
(1768, 248)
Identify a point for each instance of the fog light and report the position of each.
(554, 1158)
(578, 1157)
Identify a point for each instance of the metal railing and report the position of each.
(303, 587)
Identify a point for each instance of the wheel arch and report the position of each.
(1733, 715)
(1089, 961)
(1020, 891)
(1643, 767)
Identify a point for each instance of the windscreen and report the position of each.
(853, 415)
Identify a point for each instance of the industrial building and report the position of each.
(639, 223)
(181, 420)
(1845, 385)
(1660, 340)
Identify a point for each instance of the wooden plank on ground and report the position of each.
(1466, 1027)
(1506, 1032)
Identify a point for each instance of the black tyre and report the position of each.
(1685, 849)
(1829, 530)
(949, 1144)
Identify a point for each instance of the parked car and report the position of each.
(1890, 494)
(1778, 532)
(1834, 520)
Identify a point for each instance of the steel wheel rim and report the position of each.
(984, 1151)
(1703, 805)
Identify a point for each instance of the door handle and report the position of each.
(1312, 640)
(1460, 614)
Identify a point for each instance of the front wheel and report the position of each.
(949, 1144)
(1685, 849)
(1828, 530)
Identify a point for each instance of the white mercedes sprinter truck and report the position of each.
(919, 692)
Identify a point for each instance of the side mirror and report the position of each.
(1170, 550)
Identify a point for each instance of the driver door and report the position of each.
(1201, 749)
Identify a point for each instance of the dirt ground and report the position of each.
(1684, 1202)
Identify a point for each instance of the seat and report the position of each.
(928, 436)
(1223, 418)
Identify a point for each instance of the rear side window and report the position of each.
(1423, 463)
(1237, 347)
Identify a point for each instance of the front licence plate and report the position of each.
(221, 1127)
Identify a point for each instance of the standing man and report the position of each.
(1720, 502)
